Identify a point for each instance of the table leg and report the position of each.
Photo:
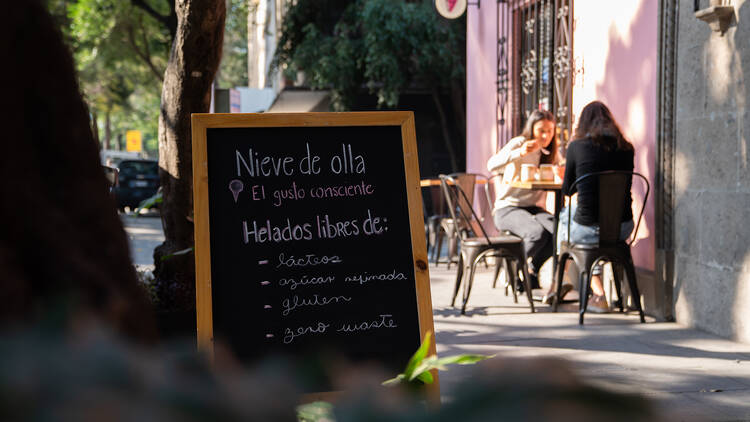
(558, 208)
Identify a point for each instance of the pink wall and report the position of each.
(481, 73)
(616, 59)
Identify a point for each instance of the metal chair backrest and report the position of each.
(491, 187)
(460, 205)
(614, 193)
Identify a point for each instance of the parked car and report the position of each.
(111, 157)
(138, 180)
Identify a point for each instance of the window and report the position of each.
(534, 56)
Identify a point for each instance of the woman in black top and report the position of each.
(598, 145)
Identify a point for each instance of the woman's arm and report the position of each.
(511, 152)
(570, 169)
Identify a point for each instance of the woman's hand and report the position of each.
(529, 147)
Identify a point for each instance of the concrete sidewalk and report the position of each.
(688, 373)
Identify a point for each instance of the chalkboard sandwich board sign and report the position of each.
(309, 236)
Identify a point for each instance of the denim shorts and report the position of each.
(584, 234)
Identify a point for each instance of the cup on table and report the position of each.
(559, 173)
(528, 172)
(547, 172)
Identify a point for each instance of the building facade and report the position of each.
(676, 85)
(707, 167)
(559, 55)
(677, 89)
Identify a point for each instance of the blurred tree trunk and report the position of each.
(95, 127)
(107, 129)
(193, 62)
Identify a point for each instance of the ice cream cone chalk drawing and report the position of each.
(236, 187)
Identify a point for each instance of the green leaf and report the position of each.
(394, 381)
(416, 359)
(465, 359)
(149, 203)
(319, 411)
(426, 378)
(181, 252)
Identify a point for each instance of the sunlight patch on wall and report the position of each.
(591, 49)
(625, 12)
(718, 65)
(635, 125)
(741, 298)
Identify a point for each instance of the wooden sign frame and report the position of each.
(404, 119)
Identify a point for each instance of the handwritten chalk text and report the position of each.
(307, 260)
(365, 277)
(291, 334)
(305, 281)
(385, 321)
(290, 304)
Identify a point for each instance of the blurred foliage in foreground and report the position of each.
(91, 376)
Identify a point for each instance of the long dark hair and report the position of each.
(596, 122)
(528, 133)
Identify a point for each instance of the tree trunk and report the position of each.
(446, 131)
(193, 62)
(108, 129)
(95, 128)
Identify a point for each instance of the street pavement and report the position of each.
(144, 234)
(689, 374)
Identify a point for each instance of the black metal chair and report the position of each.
(433, 206)
(614, 189)
(474, 249)
(449, 227)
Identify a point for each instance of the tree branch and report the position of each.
(170, 20)
(150, 10)
(145, 56)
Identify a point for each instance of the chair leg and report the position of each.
(507, 269)
(559, 281)
(467, 286)
(439, 246)
(617, 274)
(527, 285)
(452, 249)
(630, 274)
(430, 236)
(497, 272)
(459, 275)
(585, 291)
(514, 279)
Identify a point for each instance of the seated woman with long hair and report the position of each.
(598, 145)
(517, 210)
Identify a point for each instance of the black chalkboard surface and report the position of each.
(309, 236)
